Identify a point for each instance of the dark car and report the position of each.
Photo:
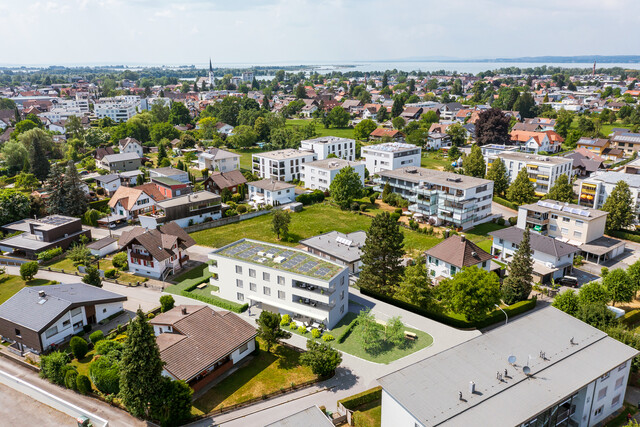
(568, 281)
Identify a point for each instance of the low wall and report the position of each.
(224, 221)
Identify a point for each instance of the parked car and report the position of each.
(568, 281)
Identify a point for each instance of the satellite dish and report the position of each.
(526, 370)
(511, 360)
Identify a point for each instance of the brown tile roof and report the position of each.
(226, 179)
(158, 242)
(459, 251)
(101, 152)
(380, 132)
(201, 338)
(127, 196)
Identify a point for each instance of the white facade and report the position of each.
(440, 268)
(319, 175)
(119, 109)
(595, 190)
(152, 268)
(343, 148)
(222, 162)
(111, 186)
(142, 204)
(543, 171)
(262, 196)
(507, 249)
(243, 281)
(282, 165)
(390, 156)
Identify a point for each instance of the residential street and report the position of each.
(506, 213)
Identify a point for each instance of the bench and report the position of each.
(202, 285)
(410, 336)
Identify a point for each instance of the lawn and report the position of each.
(82, 365)
(195, 276)
(246, 156)
(389, 353)
(321, 130)
(105, 264)
(266, 373)
(478, 234)
(313, 220)
(371, 414)
(10, 285)
(434, 160)
(606, 128)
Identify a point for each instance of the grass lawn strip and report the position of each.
(371, 412)
(321, 130)
(10, 285)
(266, 373)
(353, 346)
(195, 276)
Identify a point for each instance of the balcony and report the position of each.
(537, 220)
(313, 289)
(140, 256)
(311, 304)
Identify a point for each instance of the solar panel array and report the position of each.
(294, 261)
(307, 266)
(55, 220)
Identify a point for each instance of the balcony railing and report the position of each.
(297, 299)
(539, 221)
(313, 288)
(144, 257)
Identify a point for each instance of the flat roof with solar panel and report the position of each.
(560, 208)
(280, 258)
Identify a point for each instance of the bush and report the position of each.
(395, 216)
(110, 273)
(108, 347)
(28, 270)
(242, 209)
(360, 399)
(363, 208)
(53, 367)
(71, 379)
(218, 302)
(83, 384)
(286, 319)
(119, 261)
(630, 318)
(398, 210)
(166, 303)
(302, 330)
(293, 326)
(79, 347)
(505, 203)
(105, 375)
(327, 337)
(51, 253)
(316, 333)
(150, 316)
(513, 220)
(500, 221)
(96, 336)
(372, 199)
(347, 331)
(237, 198)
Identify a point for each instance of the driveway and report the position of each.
(498, 209)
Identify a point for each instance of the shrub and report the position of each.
(166, 303)
(70, 379)
(286, 319)
(108, 347)
(360, 399)
(79, 347)
(513, 220)
(363, 208)
(501, 221)
(105, 375)
(372, 199)
(398, 210)
(506, 203)
(242, 209)
(219, 302)
(150, 316)
(83, 384)
(395, 216)
(51, 253)
(53, 367)
(302, 330)
(355, 206)
(237, 198)
(28, 270)
(96, 336)
(327, 337)
(316, 333)
(347, 331)
(119, 261)
(110, 273)
(293, 326)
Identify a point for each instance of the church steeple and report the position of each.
(211, 78)
(210, 66)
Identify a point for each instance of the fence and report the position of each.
(13, 261)
(224, 221)
(49, 399)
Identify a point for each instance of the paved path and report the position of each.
(498, 209)
(39, 414)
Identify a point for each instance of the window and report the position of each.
(615, 400)
(342, 309)
(342, 281)
(238, 269)
(244, 347)
(253, 287)
(266, 276)
(554, 216)
(436, 259)
(51, 332)
(452, 270)
(602, 394)
(566, 219)
(553, 227)
(433, 273)
(66, 323)
(484, 264)
(239, 283)
(341, 295)
(579, 223)
(240, 296)
(17, 332)
(619, 383)
(598, 411)
(577, 234)
(76, 311)
(605, 376)
(266, 291)
(501, 241)
(564, 231)
(621, 367)
(280, 280)
(281, 295)
(252, 272)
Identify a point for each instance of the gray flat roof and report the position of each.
(310, 417)
(567, 209)
(331, 164)
(602, 245)
(270, 184)
(200, 196)
(433, 176)
(614, 177)
(345, 247)
(533, 158)
(289, 153)
(327, 140)
(429, 389)
(391, 147)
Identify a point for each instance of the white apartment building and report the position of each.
(595, 189)
(441, 197)
(390, 156)
(577, 376)
(282, 165)
(215, 159)
(270, 192)
(283, 280)
(319, 175)
(147, 103)
(118, 109)
(543, 171)
(343, 148)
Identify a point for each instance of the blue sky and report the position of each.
(305, 31)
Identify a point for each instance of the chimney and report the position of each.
(472, 387)
(446, 233)
(184, 311)
(462, 237)
(41, 294)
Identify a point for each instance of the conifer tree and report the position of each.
(75, 198)
(474, 164)
(620, 207)
(56, 202)
(521, 190)
(38, 162)
(517, 285)
(498, 174)
(562, 190)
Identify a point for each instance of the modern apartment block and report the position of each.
(543, 171)
(282, 165)
(344, 148)
(441, 197)
(595, 190)
(117, 109)
(283, 280)
(319, 175)
(390, 156)
(186, 210)
(543, 369)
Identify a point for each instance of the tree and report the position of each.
(398, 107)
(526, 105)
(369, 332)
(119, 260)
(15, 155)
(28, 270)
(92, 277)
(382, 115)
(179, 114)
(301, 93)
(619, 204)
(563, 122)
(269, 329)
(345, 187)
(338, 117)
(166, 303)
(474, 164)
(381, 254)
(492, 127)
(364, 128)
(398, 123)
(415, 287)
(75, 198)
(79, 347)
(280, 222)
(568, 302)
(619, 286)
(74, 127)
(243, 137)
(457, 134)
(596, 315)
(521, 190)
(499, 175)
(517, 285)
(473, 292)
(562, 190)
(36, 140)
(52, 366)
(162, 153)
(172, 406)
(634, 275)
(160, 111)
(160, 131)
(321, 358)
(394, 331)
(14, 206)
(593, 293)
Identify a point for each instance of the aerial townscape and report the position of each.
(408, 243)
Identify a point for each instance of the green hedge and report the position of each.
(219, 302)
(99, 204)
(359, 399)
(196, 283)
(347, 331)
(506, 203)
(626, 235)
(493, 317)
(630, 318)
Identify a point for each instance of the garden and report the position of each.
(10, 285)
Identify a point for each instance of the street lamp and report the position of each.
(505, 314)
